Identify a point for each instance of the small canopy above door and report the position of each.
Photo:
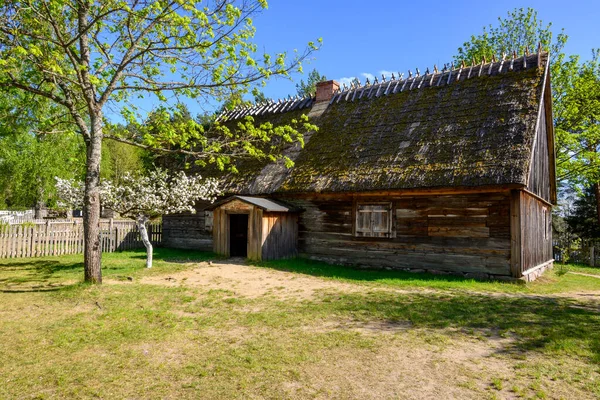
(267, 205)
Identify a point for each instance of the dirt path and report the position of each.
(248, 281)
(582, 274)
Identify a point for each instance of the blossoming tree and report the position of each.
(145, 197)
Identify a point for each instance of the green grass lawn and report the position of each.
(383, 335)
(557, 280)
(584, 269)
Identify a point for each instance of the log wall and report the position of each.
(466, 233)
(189, 231)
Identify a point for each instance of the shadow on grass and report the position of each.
(175, 255)
(322, 269)
(36, 271)
(36, 289)
(562, 326)
(41, 271)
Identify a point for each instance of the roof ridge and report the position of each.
(268, 106)
(448, 75)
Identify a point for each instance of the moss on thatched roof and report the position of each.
(471, 132)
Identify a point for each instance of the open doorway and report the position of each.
(238, 231)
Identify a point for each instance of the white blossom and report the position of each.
(69, 192)
(144, 197)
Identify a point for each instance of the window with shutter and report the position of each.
(374, 220)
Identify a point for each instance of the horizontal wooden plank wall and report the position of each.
(536, 232)
(467, 233)
(53, 238)
(189, 231)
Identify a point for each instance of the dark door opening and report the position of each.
(238, 235)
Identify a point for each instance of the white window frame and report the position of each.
(359, 232)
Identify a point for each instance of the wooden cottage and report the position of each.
(450, 172)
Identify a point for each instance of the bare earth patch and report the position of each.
(252, 282)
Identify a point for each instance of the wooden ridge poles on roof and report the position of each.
(449, 74)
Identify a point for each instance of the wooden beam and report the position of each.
(546, 202)
(550, 135)
(542, 265)
(410, 192)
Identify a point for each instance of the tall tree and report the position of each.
(119, 159)
(577, 121)
(29, 164)
(575, 90)
(519, 30)
(309, 88)
(87, 55)
(583, 219)
(29, 159)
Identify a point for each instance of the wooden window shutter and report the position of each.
(374, 220)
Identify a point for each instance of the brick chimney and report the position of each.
(325, 90)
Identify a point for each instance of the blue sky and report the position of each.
(370, 37)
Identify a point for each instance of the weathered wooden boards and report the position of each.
(539, 170)
(279, 235)
(536, 232)
(467, 233)
(59, 238)
(189, 231)
(221, 239)
(531, 233)
(271, 235)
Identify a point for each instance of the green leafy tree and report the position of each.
(86, 55)
(577, 120)
(119, 159)
(29, 164)
(519, 30)
(259, 97)
(575, 90)
(36, 144)
(309, 88)
(584, 216)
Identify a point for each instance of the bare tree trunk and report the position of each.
(40, 209)
(91, 213)
(597, 192)
(142, 220)
(40, 205)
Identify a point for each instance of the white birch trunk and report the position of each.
(142, 220)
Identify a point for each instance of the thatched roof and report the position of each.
(470, 126)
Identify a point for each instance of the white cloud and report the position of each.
(368, 76)
(346, 80)
(364, 76)
(387, 74)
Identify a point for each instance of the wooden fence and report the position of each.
(580, 251)
(53, 238)
(16, 217)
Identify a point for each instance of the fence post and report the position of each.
(111, 243)
(592, 256)
(46, 239)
